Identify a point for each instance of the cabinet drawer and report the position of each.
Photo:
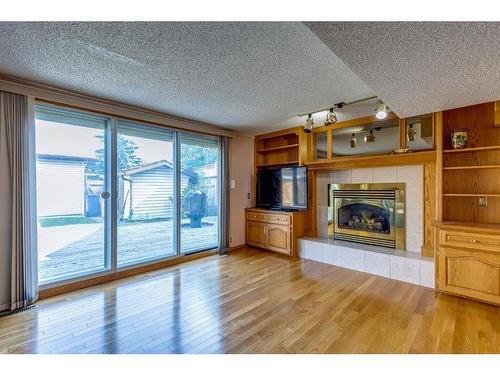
(473, 241)
(256, 216)
(279, 219)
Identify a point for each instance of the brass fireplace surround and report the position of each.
(387, 199)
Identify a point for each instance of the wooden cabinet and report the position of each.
(275, 231)
(256, 234)
(469, 261)
(278, 238)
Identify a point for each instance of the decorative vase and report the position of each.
(459, 138)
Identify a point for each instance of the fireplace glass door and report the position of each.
(366, 216)
(368, 213)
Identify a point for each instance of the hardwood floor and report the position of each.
(253, 302)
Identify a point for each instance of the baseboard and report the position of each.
(4, 306)
(237, 247)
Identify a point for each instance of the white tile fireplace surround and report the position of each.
(407, 265)
(411, 175)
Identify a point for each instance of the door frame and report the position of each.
(111, 204)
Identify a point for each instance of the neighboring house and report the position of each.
(147, 192)
(61, 185)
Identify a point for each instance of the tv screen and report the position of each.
(268, 188)
(294, 188)
(282, 188)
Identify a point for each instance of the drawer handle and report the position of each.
(473, 241)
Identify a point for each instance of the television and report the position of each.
(282, 188)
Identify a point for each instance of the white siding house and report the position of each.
(61, 185)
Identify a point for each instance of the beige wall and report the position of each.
(241, 171)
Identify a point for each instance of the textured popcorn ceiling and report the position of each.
(420, 67)
(246, 76)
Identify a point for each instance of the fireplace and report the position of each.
(368, 213)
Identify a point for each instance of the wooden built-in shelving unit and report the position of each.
(277, 149)
(468, 229)
(474, 172)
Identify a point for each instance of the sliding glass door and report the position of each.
(113, 194)
(72, 191)
(199, 181)
(146, 193)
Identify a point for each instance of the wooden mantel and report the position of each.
(370, 161)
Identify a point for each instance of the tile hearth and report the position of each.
(394, 264)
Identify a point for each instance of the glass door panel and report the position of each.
(72, 191)
(199, 188)
(146, 200)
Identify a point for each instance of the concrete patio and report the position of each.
(137, 242)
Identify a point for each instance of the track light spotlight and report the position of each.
(354, 141)
(370, 137)
(308, 127)
(411, 133)
(331, 118)
(381, 110)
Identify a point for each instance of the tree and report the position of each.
(127, 156)
(193, 156)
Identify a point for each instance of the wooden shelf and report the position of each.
(471, 195)
(364, 161)
(295, 162)
(278, 148)
(472, 167)
(468, 226)
(472, 149)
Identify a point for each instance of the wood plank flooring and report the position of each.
(253, 302)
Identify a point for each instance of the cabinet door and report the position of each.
(278, 238)
(256, 234)
(470, 273)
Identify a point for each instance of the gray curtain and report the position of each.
(224, 195)
(18, 198)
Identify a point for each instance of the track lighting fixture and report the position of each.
(370, 137)
(308, 127)
(381, 110)
(331, 118)
(354, 141)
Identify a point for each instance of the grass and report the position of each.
(57, 221)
